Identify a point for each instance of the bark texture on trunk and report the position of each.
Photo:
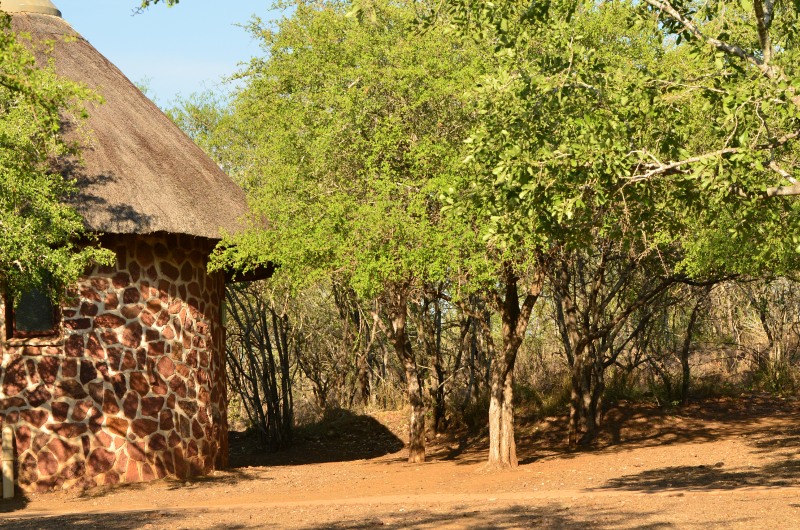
(398, 335)
(416, 421)
(586, 399)
(515, 318)
(502, 445)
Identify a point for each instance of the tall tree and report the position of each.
(346, 134)
(594, 131)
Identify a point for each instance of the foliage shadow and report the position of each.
(342, 437)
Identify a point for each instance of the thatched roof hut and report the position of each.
(140, 173)
(125, 382)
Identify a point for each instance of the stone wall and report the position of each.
(133, 387)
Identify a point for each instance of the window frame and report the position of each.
(11, 323)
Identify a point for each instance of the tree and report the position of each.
(44, 244)
(203, 117)
(346, 132)
(594, 134)
(543, 167)
(741, 71)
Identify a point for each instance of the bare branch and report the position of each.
(783, 191)
(731, 49)
(782, 172)
(780, 141)
(661, 168)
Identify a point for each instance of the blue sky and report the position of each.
(176, 51)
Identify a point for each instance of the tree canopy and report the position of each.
(609, 142)
(601, 120)
(347, 134)
(344, 136)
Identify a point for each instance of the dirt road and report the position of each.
(723, 464)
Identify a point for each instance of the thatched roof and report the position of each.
(140, 173)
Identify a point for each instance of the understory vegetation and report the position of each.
(472, 206)
(733, 338)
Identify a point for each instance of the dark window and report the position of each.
(34, 316)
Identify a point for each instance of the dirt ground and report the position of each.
(719, 464)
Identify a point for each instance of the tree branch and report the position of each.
(783, 191)
(660, 168)
(691, 27)
(763, 31)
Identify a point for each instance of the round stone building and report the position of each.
(125, 382)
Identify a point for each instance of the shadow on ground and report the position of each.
(550, 516)
(637, 425)
(634, 425)
(342, 436)
(699, 478)
(553, 516)
(231, 477)
(95, 521)
(19, 502)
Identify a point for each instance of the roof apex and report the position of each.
(45, 7)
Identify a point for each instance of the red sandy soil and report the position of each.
(730, 463)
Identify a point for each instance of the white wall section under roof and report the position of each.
(44, 7)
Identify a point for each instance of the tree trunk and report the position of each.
(598, 387)
(416, 421)
(363, 378)
(587, 369)
(586, 398)
(438, 399)
(578, 400)
(685, 376)
(346, 302)
(686, 349)
(502, 446)
(576, 354)
(398, 334)
(470, 345)
(438, 390)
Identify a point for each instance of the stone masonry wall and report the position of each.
(133, 388)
